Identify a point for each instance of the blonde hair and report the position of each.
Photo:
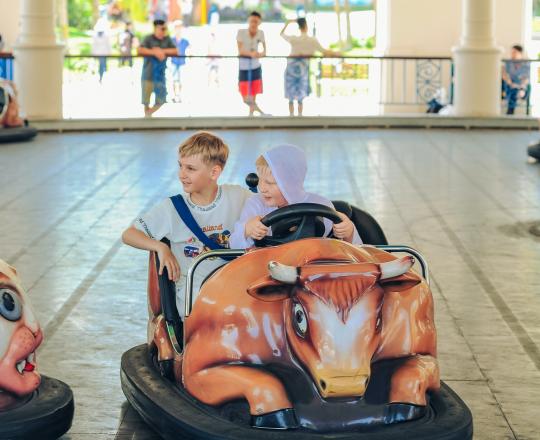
(212, 149)
(262, 164)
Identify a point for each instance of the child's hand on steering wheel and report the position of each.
(345, 229)
(255, 229)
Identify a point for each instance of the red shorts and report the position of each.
(250, 82)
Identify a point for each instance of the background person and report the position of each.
(516, 76)
(249, 42)
(297, 70)
(155, 48)
(213, 60)
(182, 45)
(126, 41)
(101, 45)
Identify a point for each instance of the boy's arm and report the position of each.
(145, 51)
(171, 49)
(144, 48)
(138, 239)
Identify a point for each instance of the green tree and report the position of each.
(137, 9)
(80, 14)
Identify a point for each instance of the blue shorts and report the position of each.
(158, 88)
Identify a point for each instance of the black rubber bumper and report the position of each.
(534, 150)
(46, 415)
(174, 414)
(17, 134)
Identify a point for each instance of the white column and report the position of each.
(477, 62)
(413, 28)
(9, 22)
(39, 61)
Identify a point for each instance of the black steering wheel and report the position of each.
(297, 221)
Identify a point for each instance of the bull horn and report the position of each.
(281, 272)
(396, 267)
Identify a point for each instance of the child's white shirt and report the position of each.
(216, 220)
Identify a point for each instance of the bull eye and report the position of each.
(10, 305)
(300, 319)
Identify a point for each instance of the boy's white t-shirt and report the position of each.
(250, 44)
(216, 220)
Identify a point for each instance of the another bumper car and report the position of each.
(12, 127)
(534, 151)
(300, 338)
(32, 406)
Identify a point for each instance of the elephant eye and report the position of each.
(10, 305)
(299, 319)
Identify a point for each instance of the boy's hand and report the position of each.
(159, 53)
(345, 229)
(255, 229)
(168, 260)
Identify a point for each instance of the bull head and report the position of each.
(332, 315)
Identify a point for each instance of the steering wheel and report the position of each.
(297, 221)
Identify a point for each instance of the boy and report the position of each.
(155, 48)
(282, 171)
(249, 43)
(201, 159)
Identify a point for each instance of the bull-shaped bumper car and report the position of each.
(32, 406)
(311, 336)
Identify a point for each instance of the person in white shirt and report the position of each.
(215, 208)
(297, 70)
(101, 45)
(282, 171)
(251, 47)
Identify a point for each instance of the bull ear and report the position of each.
(401, 282)
(269, 290)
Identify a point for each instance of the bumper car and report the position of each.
(12, 127)
(533, 151)
(300, 337)
(32, 406)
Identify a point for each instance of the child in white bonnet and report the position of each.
(282, 171)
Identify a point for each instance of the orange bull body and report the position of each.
(316, 339)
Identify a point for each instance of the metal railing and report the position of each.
(340, 86)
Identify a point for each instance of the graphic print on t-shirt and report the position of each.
(194, 247)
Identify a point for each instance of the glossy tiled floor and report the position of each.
(463, 198)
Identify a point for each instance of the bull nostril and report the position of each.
(323, 384)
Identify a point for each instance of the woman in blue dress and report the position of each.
(297, 70)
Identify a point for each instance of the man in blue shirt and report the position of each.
(516, 76)
(155, 48)
(181, 45)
